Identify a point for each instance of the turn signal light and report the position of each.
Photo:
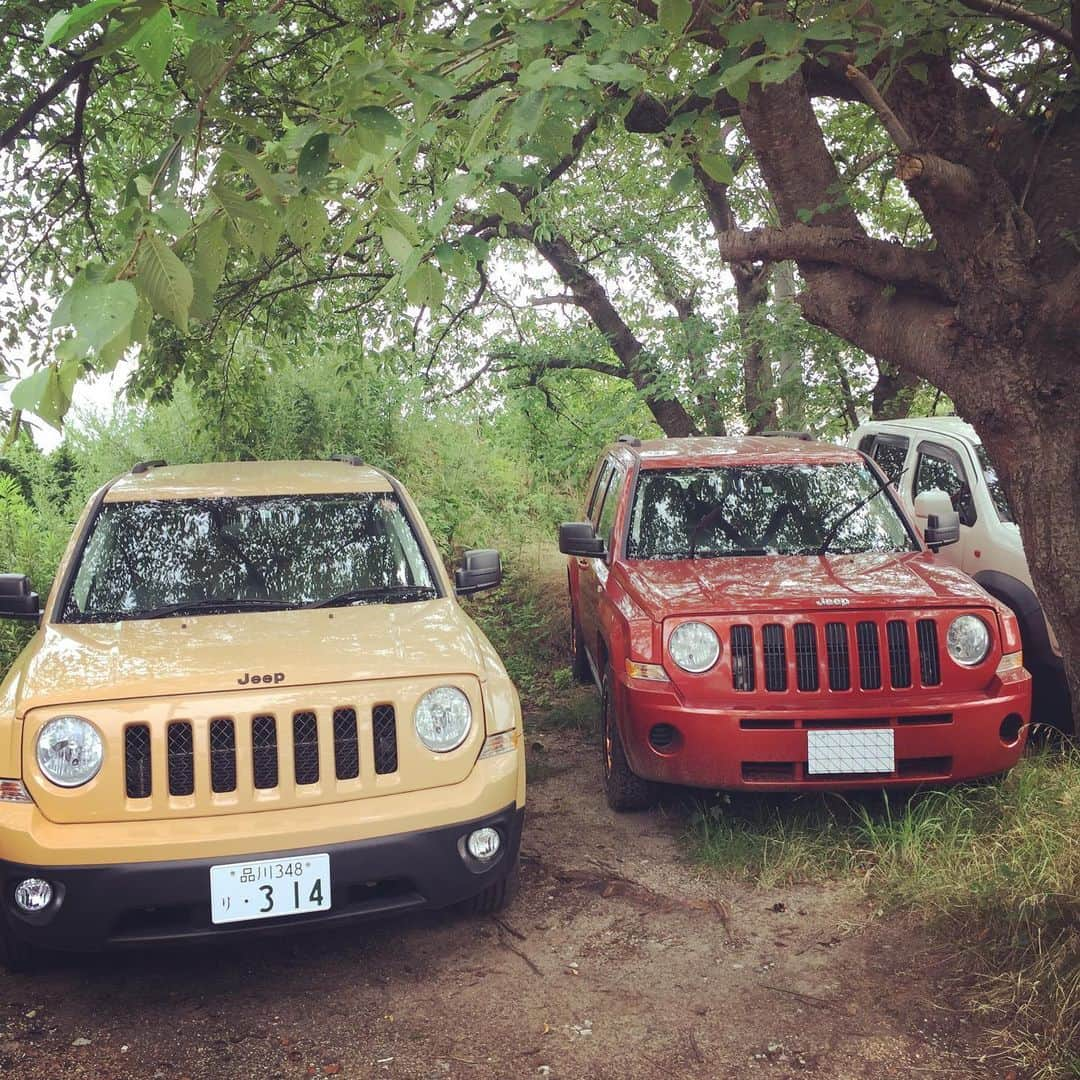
(14, 791)
(501, 743)
(1010, 662)
(654, 672)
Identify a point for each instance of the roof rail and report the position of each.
(802, 436)
(630, 440)
(145, 466)
(348, 459)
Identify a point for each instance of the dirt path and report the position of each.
(618, 960)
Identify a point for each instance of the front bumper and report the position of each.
(97, 907)
(943, 739)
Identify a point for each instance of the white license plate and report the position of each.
(852, 750)
(269, 888)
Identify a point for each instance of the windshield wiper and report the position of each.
(218, 604)
(830, 536)
(377, 595)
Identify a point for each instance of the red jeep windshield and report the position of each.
(762, 510)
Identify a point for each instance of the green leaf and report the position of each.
(42, 394)
(204, 61)
(718, 167)
(776, 71)
(314, 160)
(306, 221)
(673, 15)
(475, 248)
(153, 44)
(425, 287)
(740, 71)
(99, 313)
(397, 247)
(65, 25)
(262, 230)
(435, 85)
(173, 216)
(680, 180)
(211, 254)
(526, 114)
(164, 280)
(378, 119)
(256, 168)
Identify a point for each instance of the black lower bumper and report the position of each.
(98, 907)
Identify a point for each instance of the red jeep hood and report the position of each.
(783, 583)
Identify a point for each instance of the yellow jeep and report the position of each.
(253, 702)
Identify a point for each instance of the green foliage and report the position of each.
(994, 866)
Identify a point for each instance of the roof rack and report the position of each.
(348, 459)
(630, 440)
(802, 436)
(145, 466)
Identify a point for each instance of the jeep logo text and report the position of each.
(833, 601)
(251, 677)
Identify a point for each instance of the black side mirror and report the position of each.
(16, 599)
(481, 569)
(579, 538)
(941, 529)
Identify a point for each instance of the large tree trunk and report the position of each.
(788, 361)
(893, 394)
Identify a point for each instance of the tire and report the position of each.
(494, 898)
(625, 790)
(15, 955)
(580, 666)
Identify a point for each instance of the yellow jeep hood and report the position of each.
(74, 662)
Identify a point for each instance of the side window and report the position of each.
(596, 496)
(891, 453)
(866, 442)
(611, 505)
(940, 468)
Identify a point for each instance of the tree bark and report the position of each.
(893, 393)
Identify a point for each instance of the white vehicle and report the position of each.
(943, 453)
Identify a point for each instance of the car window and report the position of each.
(866, 443)
(890, 452)
(611, 505)
(596, 497)
(940, 468)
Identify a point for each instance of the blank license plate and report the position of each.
(269, 888)
(853, 750)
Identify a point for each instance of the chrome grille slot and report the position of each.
(774, 652)
(866, 640)
(384, 737)
(742, 657)
(836, 653)
(899, 656)
(306, 748)
(806, 664)
(264, 752)
(181, 758)
(929, 665)
(346, 745)
(137, 761)
(222, 755)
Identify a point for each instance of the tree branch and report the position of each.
(891, 263)
(43, 100)
(1015, 13)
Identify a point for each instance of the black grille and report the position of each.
(742, 658)
(929, 668)
(775, 655)
(222, 754)
(662, 736)
(899, 655)
(866, 639)
(836, 652)
(384, 736)
(346, 746)
(264, 756)
(137, 761)
(181, 758)
(306, 747)
(806, 670)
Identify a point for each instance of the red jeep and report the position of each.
(761, 613)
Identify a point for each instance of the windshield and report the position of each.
(148, 559)
(757, 510)
(993, 485)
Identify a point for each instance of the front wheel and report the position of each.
(15, 955)
(497, 897)
(625, 790)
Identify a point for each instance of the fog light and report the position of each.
(484, 844)
(33, 894)
(1010, 729)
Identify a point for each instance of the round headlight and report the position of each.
(69, 751)
(694, 646)
(968, 640)
(442, 718)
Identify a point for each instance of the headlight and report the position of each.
(694, 646)
(69, 751)
(442, 718)
(968, 640)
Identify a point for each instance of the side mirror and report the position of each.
(942, 521)
(579, 538)
(480, 569)
(16, 599)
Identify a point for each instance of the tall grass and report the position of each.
(994, 867)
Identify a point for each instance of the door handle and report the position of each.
(583, 562)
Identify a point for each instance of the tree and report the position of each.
(914, 158)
